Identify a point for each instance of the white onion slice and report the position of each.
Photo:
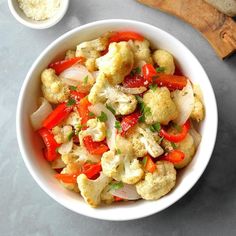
(184, 100)
(131, 90)
(58, 164)
(75, 76)
(196, 136)
(65, 148)
(128, 191)
(41, 113)
(110, 123)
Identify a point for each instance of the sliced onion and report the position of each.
(184, 100)
(75, 75)
(58, 164)
(111, 120)
(65, 148)
(131, 90)
(95, 74)
(128, 191)
(41, 113)
(196, 136)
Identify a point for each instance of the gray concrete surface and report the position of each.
(208, 209)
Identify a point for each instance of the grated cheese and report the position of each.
(39, 9)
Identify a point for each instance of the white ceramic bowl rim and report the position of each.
(39, 24)
(143, 212)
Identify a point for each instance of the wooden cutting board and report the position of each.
(216, 27)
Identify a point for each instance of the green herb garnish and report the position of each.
(70, 135)
(160, 69)
(153, 87)
(73, 88)
(177, 127)
(135, 71)
(118, 151)
(144, 161)
(117, 185)
(117, 125)
(160, 140)
(102, 117)
(70, 102)
(173, 145)
(85, 79)
(91, 114)
(155, 127)
(111, 109)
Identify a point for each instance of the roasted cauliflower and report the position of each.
(74, 120)
(164, 59)
(141, 51)
(198, 112)
(162, 108)
(62, 134)
(96, 129)
(91, 50)
(102, 91)
(117, 63)
(53, 89)
(91, 189)
(158, 183)
(70, 54)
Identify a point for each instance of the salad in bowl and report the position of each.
(118, 119)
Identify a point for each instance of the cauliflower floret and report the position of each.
(91, 50)
(117, 63)
(69, 158)
(148, 139)
(61, 134)
(162, 108)
(70, 54)
(53, 89)
(103, 92)
(158, 183)
(91, 189)
(74, 120)
(106, 195)
(188, 148)
(164, 59)
(96, 129)
(141, 50)
(122, 166)
(71, 168)
(198, 112)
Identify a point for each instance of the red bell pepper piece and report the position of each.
(92, 170)
(129, 121)
(57, 115)
(175, 156)
(67, 178)
(135, 81)
(148, 72)
(150, 165)
(176, 137)
(50, 143)
(95, 148)
(125, 36)
(77, 96)
(60, 66)
(172, 82)
(117, 199)
(83, 110)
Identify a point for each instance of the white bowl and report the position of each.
(23, 19)
(30, 146)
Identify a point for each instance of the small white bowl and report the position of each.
(23, 19)
(29, 142)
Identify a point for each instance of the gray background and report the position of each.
(208, 209)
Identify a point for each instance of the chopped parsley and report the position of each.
(102, 117)
(117, 185)
(144, 161)
(160, 140)
(85, 79)
(173, 145)
(145, 110)
(91, 114)
(117, 125)
(70, 102)
(153, 87)
(135, 71)
(111, 109)
(118, 151)
(160, 69)
(157, 127)
(73, 88)
(70, 135)
(177, 127)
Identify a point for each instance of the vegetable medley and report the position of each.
(117, 119)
